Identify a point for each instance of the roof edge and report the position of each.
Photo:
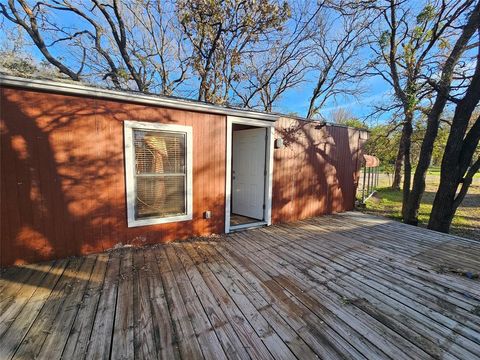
(146, 99)
(322, 121)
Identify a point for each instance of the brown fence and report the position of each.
(369, 177)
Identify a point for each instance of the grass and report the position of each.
(466, 223)
(435, 170)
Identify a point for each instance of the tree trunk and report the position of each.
(418, 186)
(456, 160)
(397, 172)
(445, 204)
(407, 176)
(452, 171)
(459, 152)
(442, 210)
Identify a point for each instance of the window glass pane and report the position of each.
(160, 196)
(160, 173)
(159, 152)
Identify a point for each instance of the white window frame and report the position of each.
(129, 126)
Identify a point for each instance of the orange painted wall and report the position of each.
(62, 175)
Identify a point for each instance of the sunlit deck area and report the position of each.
(340, 286)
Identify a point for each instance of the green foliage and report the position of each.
(388, 202)
(294, 114)
(221, 33)
(23, 65)
(18, 66)
(384, 39)
(428, 13)
(383, 143)
(443, 44)
(123, 73)
(343, 116)
(354, 122)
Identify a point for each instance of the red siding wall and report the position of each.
(316, 172)
(62, 175)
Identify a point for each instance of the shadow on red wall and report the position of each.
(316, 172)
(62, 185)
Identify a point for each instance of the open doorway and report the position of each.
(249, 153)
(248, 174)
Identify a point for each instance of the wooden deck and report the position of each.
(341, 286)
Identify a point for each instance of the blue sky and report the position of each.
(376, 91)
(296, 100)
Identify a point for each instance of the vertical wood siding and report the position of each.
(63, 180)
(62, 175)
(316, 172)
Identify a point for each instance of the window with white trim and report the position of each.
(158, 163)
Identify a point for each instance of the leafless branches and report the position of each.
(134, 44)
(338, 38)
(266, 75)
(223, 35)
(32, 20)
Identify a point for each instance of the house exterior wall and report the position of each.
(63, 177)
(316, 172)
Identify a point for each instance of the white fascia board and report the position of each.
(85, 90)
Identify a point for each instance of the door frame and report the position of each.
(267, 212)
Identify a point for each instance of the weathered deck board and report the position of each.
(369, 291)
(144, 336)
(81, 330)
(247, 335)
(124, 324)
(41, 327)
(341, 286)
(206, 335)
(164, 333)
(182, 325)
(57, 336)
(22, 323)
(17, 291)
(99, 342)
(363, 331)
(226, 333)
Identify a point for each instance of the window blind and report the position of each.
(160, 173)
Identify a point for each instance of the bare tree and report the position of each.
(266, 77)
(242, 52)
(410, 45)
(343, 116)
(134, 44)
(32, 19)
(222, 35)
(455, 81)
(337, 39)
(266, 74)
(161, 45)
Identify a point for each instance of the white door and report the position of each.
(248, 172)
